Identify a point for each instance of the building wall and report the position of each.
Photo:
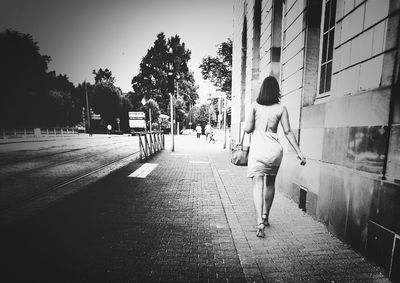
(350, 134)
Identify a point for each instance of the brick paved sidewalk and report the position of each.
(296, 247)
(191, 219)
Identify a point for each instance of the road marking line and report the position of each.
(143, 170)
(199, 162)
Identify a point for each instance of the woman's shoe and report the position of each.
(260, 230)
(265, 219)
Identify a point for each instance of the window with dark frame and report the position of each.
(328, 35)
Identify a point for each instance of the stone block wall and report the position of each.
(349, 133)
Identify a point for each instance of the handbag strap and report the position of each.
(241, 141)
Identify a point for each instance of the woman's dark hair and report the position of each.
(269, 92)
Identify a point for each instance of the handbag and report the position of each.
(240, 153)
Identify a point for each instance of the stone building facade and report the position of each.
(337, 62)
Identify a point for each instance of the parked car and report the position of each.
(188, 132)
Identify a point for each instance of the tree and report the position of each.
(123, 115)
(152, 80)
(58, 102)
(58, 106)
(22, 80)
(218, 69)
(31, 96)
(78, 96)
(103, 77)
(108, 100)
(201, 114)
(151, 106)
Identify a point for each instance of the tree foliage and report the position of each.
(152, 106)
(200, 115)
(218, 70)
(107, 100)
(103, 77)
(30, 96)
(152, 80)
(23, 79)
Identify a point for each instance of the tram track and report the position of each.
(33, 158)
(16, 208)
(54, 164)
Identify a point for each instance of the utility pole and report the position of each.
(171, 84)
(150, 118)
(177, 95)
(225, 110)
(171, 97)
(87, 107)
(219, 113)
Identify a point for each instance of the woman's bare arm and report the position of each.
(249, 122)
(290, 135)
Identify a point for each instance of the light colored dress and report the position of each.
(265, 154)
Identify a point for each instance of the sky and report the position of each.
(82, 35)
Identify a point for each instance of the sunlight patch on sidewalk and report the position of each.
(143, 170)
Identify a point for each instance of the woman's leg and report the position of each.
(268, 195)
(258, 184)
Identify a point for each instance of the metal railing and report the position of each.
(37, 132)
(150, 143)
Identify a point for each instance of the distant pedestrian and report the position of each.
(207, 130)
(198, 130)
(265, 154)
(211, 136)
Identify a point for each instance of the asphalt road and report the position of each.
(35, 173)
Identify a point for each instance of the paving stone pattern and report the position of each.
(190, 220)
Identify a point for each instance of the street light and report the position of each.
(171, 94)
(87, 108)
(177, 95)
(226, 109)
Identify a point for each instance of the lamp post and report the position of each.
(177, 95)
(87, 107)
(150, 118)
(225, 110)
(171, 95)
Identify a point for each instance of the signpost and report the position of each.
(118, 120)
(137, 121)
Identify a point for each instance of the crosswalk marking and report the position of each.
(143, 170)
(198, 161)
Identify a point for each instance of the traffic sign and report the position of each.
(95, 117)
(136, 115)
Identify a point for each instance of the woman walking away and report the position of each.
(265, 154)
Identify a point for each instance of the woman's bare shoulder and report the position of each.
(253, 106)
